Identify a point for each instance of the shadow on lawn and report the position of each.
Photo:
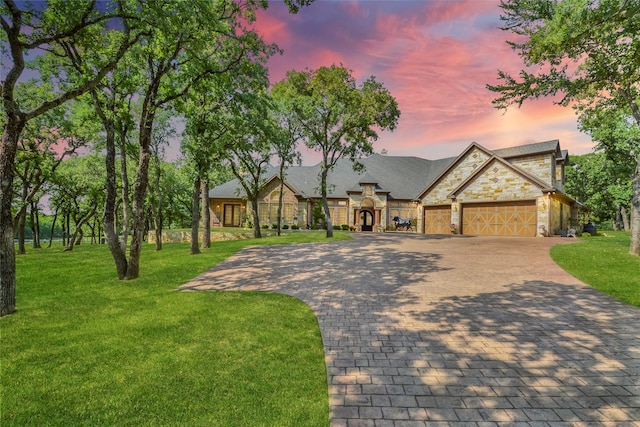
(535, 351)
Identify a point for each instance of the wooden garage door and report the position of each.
(500, 219)
(437, 219)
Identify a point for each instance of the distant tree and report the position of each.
(177, 194)
(339, 118)
(45, 142)
(163, 132)
(602, 185)
(587, 51)
(79, 192)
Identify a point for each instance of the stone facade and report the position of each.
(514, 185)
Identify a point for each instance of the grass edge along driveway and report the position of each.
(603, 262)
(87, 349)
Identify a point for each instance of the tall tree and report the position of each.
(162, 134)
(187, 42)
(29, 28)
(287, 135)
(339, 118)
(249, 147)
(586, 51)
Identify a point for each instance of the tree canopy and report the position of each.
(339, 118)
(585, 53)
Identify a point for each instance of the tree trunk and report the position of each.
(281, 197)
(257, 232)
(110, 205)
(139, 195)
(158, 216)
(53, 227)
(35, 224)
(22, 224)
(625, 218)
(206, 214)
(13, 126)
(325, 204)
(78, 233)
(124, 177)
(634, 247)
(195, 217)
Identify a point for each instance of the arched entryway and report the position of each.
(366, 220)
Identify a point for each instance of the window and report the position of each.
(231, 215)
(268, 211)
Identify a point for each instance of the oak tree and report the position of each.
(339, 118)
(585, 52)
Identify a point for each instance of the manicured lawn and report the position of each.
(85, 349)
(604, 262)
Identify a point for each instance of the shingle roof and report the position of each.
(523, 150)
(403, 177)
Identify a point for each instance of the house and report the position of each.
(517, 191)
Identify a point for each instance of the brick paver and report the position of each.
(454, 331)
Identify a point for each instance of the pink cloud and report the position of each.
(436, 58)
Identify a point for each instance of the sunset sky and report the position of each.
(435, 57)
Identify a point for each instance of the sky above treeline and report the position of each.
(435, 57)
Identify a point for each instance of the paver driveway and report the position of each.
(423, 331)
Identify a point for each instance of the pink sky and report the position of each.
(435, 57)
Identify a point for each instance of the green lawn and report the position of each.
(604, 262)
(85, 349)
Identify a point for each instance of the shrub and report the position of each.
(295, 227)
(345, 227)
(285, 227)
(274, 226)
(265, 226)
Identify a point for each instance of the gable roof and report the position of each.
(402, 177)
(524, 174)
(529, 149)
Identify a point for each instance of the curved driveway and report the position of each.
(423, 331)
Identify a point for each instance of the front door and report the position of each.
(366, 220)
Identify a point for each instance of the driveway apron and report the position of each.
(454, 330)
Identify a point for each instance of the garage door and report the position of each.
(500, 219)
(437, 219)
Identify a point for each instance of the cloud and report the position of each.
(435, 57)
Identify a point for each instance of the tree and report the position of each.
(44, 143)
(339, 119)
(249, 147)
(27, 29)
(162, 133)
(602, 185)
(586, 51)
(78, 192)
(287, 135)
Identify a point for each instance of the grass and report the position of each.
(604, 262)
(86, 349)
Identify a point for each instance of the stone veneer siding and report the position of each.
(542, 167)
(498, 183)
(438, 195)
